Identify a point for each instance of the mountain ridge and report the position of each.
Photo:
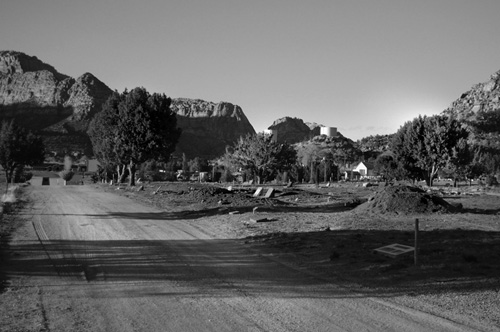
(60, 108)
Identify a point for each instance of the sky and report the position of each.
(363, 66)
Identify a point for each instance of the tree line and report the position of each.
(137, 130)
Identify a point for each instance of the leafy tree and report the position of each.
(198, 165)
(387, 167)
(374, 143)
(486, 140)
(103, 132)
(18, 147)
(134, 127)
(427, 144)
(185, 166)
(322, 150)
(486, 159)
(260, 155)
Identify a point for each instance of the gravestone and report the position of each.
(270, 193)
(257, 192)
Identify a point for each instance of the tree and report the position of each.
(198, 165)
(18, 147)
(374, 143)
(387, 168)
(132, 128)
(260, 155)
(185, 166)
(486, 141)
(427, 144)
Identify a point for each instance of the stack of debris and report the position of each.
(404, 199)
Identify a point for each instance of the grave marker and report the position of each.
(270, 193)
(257, 192)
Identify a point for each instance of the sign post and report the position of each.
(415, 250)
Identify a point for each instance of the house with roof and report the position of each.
(365, 169)
(352, 175)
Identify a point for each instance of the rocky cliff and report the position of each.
(294, 130)
(207, 128)
(44, 100)
(481, 99)
(479, 110)
(60, 109)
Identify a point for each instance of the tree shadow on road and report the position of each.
(312, 265)
(223, 210)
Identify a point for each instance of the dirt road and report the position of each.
(102, 262)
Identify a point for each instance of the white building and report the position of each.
(328, 131)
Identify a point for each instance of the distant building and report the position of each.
(328, 131)
(365, 169)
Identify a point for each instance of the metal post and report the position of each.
(415, 253)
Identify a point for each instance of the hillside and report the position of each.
(479, 109)
(207, 127)
(481, 99)
(60, 109)
(55, 105)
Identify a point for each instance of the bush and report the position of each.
(24, 177)
(66, 175)
(491, 180)
(21, 176)
(94, 177)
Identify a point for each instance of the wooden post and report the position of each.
(415, 252)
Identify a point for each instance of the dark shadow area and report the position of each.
(449, 260)
(452, 260)
(8, 225)
(198, 267)
(59, 131)
(35, 117)
(196, 214)
(481, 211)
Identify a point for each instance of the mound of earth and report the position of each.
(402, 199)
(197, 196)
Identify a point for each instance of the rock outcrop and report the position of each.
(60, 108)
(292, 130)
(480, 99)
(479, 110)
(207, 128)
(40, 98)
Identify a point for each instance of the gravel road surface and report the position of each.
(102, 262)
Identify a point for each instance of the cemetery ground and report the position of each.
(323, 229)
(331, 232)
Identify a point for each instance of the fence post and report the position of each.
(415, 252)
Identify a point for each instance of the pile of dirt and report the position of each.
(404, 199)
(198, 195)
(203, 192)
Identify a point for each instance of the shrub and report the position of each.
(491, 180)
(20, 175)
(24, 177)
(66, 175)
